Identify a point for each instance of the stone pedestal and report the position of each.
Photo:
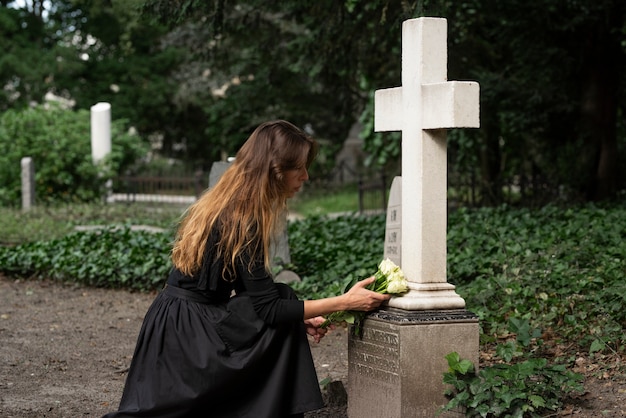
(396, 368)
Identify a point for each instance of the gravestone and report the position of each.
(217, 169)
(396, 368)
(101, 137)
(280, 250)
(28, 183)
(100, 131)
(393, 226)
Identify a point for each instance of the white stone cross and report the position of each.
(422, 109)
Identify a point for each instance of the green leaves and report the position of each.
(523, 272)
(111, 257)
(551, 266)
(331, 253)
(58, 142)
(457, 365)
(521, 327)
(529, 388)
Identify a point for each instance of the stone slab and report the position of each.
(396, 368)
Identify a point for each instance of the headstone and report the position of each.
(422, 108)
(393, 226)
(217, 169)
(28, 183)
(280, 249)
(100, 131)
(396, 368)
(287, 276)
(101, 137)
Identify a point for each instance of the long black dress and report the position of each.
(203, 353)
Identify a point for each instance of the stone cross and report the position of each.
(422, 109)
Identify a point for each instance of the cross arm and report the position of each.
(388, 112)
(451, 104)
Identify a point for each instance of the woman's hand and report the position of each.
(313, 329)
(359, 298)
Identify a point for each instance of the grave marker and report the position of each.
(28, 183)
(280, 249)
(422, 108)
(101, 138)
(100, 131)
(396, 368)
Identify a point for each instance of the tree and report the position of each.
(303, 61)
(551, 76)
(28, 58)
(552, 84)
(549, 107)
(88, 52)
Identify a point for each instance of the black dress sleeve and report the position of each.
(271, 306)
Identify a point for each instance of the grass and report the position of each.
(50, 222)
(320, 201)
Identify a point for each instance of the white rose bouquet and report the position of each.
(389, 279)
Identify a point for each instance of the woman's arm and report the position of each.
(358, 298)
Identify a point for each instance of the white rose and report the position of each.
(396, 275)
(397, 286)
(387, 267)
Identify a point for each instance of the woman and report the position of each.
(222, 339)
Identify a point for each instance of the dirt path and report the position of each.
(64, 351)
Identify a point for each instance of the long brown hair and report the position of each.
(249, 200)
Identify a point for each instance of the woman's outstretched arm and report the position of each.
(358, 298)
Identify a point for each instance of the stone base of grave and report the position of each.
(396, 369)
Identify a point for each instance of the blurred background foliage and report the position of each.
(193, 78)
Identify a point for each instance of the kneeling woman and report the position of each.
(222, 339)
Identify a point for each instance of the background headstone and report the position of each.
(101, 138)
(28, 183)
(393, 225)
(280, 254)
(349, 159)
(100, 131)
(217, 169)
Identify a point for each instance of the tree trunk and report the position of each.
(490, 163)
(599, 107)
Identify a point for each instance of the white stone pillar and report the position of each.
(28, 183)
(100, 131)
(101, 138)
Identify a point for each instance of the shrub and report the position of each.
(59, 143)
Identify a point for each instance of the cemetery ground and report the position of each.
(65, 350)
